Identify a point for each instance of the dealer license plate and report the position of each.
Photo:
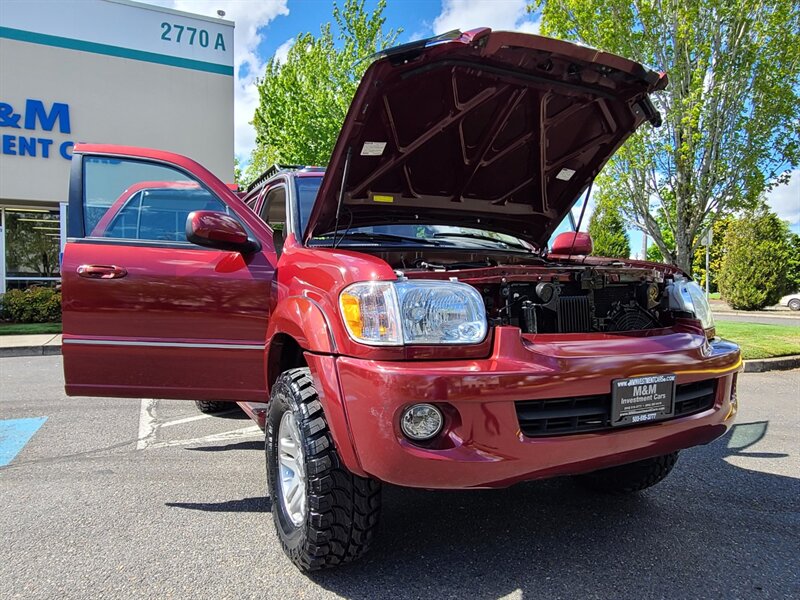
(642, 399)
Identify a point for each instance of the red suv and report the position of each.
(400, 318)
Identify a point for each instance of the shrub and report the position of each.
(755, 264)
(32, 305)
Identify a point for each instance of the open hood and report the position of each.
(494, 130)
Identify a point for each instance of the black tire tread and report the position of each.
(210, 407)
(344, 509)
(630, 478)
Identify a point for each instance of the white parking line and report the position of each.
(236, 434)
(147, 423)
(190, 419)
(149, 426)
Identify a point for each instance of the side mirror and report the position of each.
(569, 242)
(218, 230)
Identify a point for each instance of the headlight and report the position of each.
(371, 314)
(688, 296)
(385, 313)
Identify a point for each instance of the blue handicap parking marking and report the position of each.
(14, 434)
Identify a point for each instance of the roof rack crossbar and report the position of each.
(272, 171)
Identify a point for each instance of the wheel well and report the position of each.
(284, 353)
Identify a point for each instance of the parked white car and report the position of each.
(792, 301)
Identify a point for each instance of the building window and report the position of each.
(32, 247)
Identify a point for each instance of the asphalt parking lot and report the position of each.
(142, 499)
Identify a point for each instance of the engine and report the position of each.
(540, 296)
(588, 302)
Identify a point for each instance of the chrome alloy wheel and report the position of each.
(293, 470)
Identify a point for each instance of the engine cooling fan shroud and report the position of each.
(630, 317)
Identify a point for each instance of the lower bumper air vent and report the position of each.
(559, 416)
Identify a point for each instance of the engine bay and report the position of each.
(574, 306)
(543, 296)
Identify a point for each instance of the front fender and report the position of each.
(303, 319)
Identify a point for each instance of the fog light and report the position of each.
(421, 422)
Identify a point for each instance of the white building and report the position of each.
(101, 71)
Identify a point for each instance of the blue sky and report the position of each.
(266, 27)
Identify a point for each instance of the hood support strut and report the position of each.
(345, 173)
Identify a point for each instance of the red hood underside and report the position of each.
(495, 130)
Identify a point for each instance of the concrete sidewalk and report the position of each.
(30, 345)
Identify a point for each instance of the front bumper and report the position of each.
(482, 445)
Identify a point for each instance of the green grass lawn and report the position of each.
(761, 341)
(29, 328)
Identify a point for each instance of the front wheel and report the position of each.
(633, 477)
(794, 304)
(324, 515)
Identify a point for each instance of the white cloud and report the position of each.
(250, 18)
(283, 51)
(785, 201)
(506, 15)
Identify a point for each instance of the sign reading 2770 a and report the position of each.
(22, 130)
(190, 36)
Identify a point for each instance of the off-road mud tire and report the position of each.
(342, 509)
(630, 478)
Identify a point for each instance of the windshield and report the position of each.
(563, 227)
(437, 235)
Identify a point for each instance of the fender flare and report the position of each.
(303, 320)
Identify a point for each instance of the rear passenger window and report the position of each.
(128, 199)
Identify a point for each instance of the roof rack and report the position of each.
(272, 171)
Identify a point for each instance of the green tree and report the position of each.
(653, 252)
(304, 100)
(237, 172)
(731, 112)
(607, 228)
(715, 254)
(793, 275)
(756, 260)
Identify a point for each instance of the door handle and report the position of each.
(101, 271)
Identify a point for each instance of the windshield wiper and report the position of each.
(381, 237)
(488, 238)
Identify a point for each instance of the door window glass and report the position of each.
(274, 211)
(307, 189)
(273, 214)
(128, 199)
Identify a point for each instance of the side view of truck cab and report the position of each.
(398, 317)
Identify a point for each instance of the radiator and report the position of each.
(574, 314)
